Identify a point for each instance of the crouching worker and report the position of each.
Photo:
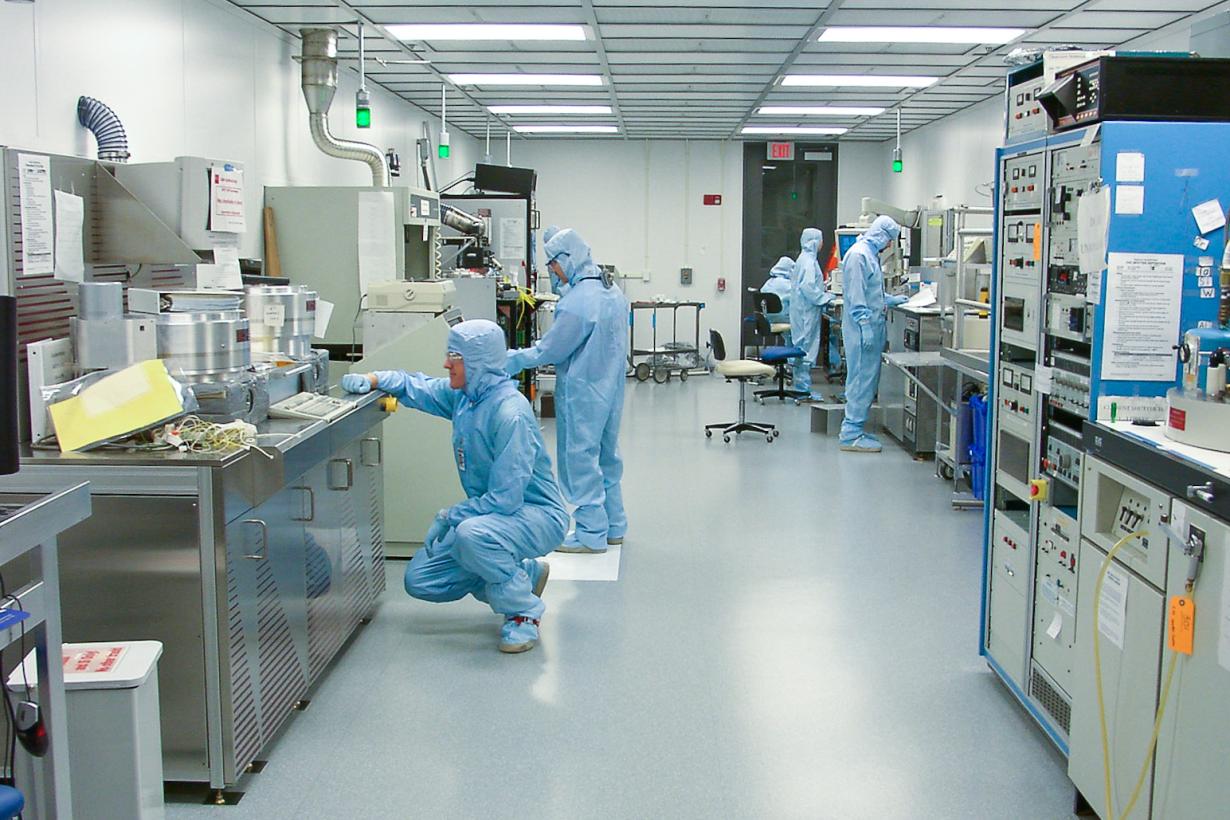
(489, 544)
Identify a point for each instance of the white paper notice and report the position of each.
(1223, 642)
(1209, 216)
(1144, 293)
(274, 316)
(1092, 222)
(1129, 200)
(226, 199)
(512, 237)
(70, 221)
(1042, 379)
(377, 249)
(324, 312)
(1129, 167)
(1112, 606)
(37, 248)
(228, 259)
(218, 277)
(1056, 627)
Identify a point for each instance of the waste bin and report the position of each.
(114, 731)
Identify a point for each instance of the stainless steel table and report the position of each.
(252, 568)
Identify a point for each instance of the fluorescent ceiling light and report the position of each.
(860, 80)
(920, 34)
(566, 129)
(549, 109)
(820, 110)
(526, 79)
(486, 31)
(791, 129)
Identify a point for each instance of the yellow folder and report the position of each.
(133, 399)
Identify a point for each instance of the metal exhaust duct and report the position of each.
(319, 67)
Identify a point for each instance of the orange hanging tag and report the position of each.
(1182, 623)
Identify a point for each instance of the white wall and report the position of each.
(860, 172)
(188, 77)
(639, 205)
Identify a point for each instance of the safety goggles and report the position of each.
(455, 358)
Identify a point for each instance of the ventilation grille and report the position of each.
(247, 738)
(356, 580)
(325, 628)
(1052, 701)
(282, 680)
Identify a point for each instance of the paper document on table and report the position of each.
(376, 239)
(70, 220)
(133, 399)
(218, 277)
(1092, 223)
(37, 247)
(1129, 200)
(1144, 295)
(1112, 605)
(924, 298)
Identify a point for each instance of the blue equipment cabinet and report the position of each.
(1072, 342)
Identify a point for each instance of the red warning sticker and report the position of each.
(1178, 419)
(94, 661)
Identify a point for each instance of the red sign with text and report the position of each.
(713, 199)
(781, 150)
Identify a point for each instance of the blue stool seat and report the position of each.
(773, 355)
(11, 802)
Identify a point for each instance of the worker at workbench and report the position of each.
(487, 545)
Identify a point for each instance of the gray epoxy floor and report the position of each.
(794, 634)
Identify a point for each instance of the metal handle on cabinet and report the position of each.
(311, 494)
(349, 474)
(1204, 492)
(264, 553)
(379, 451)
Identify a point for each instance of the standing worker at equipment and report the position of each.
(487, 545)
(778, 284)
(862, 329)
(807, 296)
(588, 345)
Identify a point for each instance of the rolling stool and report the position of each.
(741, 371)
(778, 357)
(11, 802)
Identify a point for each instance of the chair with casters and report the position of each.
(741, 371)
(771, 305)
(779, 357)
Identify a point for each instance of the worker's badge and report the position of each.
(461, 459)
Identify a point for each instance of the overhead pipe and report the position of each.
(107, 129)
(319, 80)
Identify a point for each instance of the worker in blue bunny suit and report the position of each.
(558, 287)
(778, 284)
(808, 296)
(862, 329)
(588, 344)
(487, 545)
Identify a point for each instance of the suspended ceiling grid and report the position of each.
(700, 69)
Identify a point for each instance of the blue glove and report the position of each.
(438, 529)
(896, 299)
(356, 383)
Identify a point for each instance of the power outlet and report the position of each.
(685, 276)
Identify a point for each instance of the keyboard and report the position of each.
(310, 406)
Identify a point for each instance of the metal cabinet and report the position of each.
(908, 412)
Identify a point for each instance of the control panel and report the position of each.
(1025, 114)
(1063, 454)
(1054, 631)
(1019, 319)
(1023, 182)
(1115, 504)
(1068, 317)
(1022, 248)
(1070, 384)
(1016, 393)
(1074, 171)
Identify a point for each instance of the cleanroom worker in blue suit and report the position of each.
(779, 283)
(557, 287)
(588, 344)
(807, 296)
(487, 545)
(862, 329)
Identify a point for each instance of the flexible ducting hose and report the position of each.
(106, 127)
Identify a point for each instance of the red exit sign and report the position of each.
(713, 199)
(781, 150)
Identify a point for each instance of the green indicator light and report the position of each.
(794, 194)
(363, 117)
(443, 152)
(898, 166)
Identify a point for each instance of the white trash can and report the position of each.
(114, 727)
